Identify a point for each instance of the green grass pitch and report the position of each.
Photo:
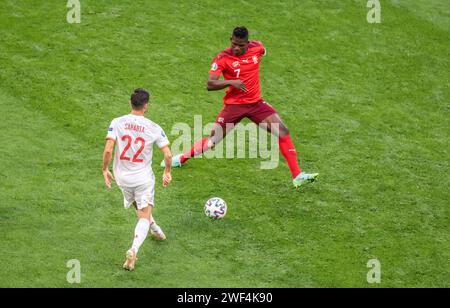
(368, 106)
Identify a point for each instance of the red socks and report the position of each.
(287, 148)
(198, 148)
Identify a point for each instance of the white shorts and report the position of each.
(143, 195)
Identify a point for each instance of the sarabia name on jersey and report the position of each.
(244, 68)
(137, 128)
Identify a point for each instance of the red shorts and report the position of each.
(256, 112)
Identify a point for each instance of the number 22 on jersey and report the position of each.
(129, 141)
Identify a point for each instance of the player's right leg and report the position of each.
(225, 121)
(217, 135)
(199, 147)
(156, 230)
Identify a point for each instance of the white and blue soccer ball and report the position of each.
(215, 208)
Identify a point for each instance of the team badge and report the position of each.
(214, 66)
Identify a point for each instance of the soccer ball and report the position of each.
(215, 208)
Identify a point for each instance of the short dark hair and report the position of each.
(139, 98)
(240, 32)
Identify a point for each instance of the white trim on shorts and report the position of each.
(143, 195)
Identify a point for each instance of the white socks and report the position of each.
(140, 233)
(155, 227)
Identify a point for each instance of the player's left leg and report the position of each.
(146, 223)
(141, 229)
(142, 200)
(145, 194)
(275, 125)
(267, 117)
(140, 233)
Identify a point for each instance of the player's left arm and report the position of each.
(262, 50)
(107, 155)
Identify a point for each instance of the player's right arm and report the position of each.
(215, 84)
(167, 177)
(217, 67)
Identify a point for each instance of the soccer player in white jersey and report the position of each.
(134, 136)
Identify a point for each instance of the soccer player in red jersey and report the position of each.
(239, 66)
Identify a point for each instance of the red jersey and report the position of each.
(244, 68)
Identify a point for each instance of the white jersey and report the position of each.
(134, 137)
